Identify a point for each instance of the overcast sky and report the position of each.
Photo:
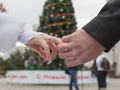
(30, 10)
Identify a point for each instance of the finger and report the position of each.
(71, 62)
(41, 53)
(38, 50)
(55, 40)
(71, 51)
(65, 55)
(53, 51)
(46, 49)
(64, 47)
(67, 39)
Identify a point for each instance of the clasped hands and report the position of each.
(76, 48)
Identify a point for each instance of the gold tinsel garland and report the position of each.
(56, 24)
(53, 15)
(54, 4)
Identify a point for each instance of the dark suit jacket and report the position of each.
(105, 27)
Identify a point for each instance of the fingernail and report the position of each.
(48, 62)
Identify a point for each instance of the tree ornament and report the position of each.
(63, 17)
(69, 23)
(56, 17)
(62, 31)
(51, 15)
(46, 17)
(61, 0)
(69, 19)
(61, 10)
(67, 26)
(53, 8)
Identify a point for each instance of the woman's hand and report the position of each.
(45, 46)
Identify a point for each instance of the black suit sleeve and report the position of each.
(105, 27)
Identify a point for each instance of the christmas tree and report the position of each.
(2, 8)
(58, 20)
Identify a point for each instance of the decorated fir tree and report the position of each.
(2, 8)
(58, 20)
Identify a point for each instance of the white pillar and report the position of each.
(117, 58)
(114, 55)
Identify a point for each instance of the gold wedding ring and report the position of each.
(66, 48)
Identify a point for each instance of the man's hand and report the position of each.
(78, 48)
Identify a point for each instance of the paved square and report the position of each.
(113, 84)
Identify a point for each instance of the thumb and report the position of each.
(55, 40)
(67, 38)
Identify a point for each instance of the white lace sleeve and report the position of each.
(13, 30)
(10, 29)
(27, 34)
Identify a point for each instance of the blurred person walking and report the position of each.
(102, 65)
(72, 71)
